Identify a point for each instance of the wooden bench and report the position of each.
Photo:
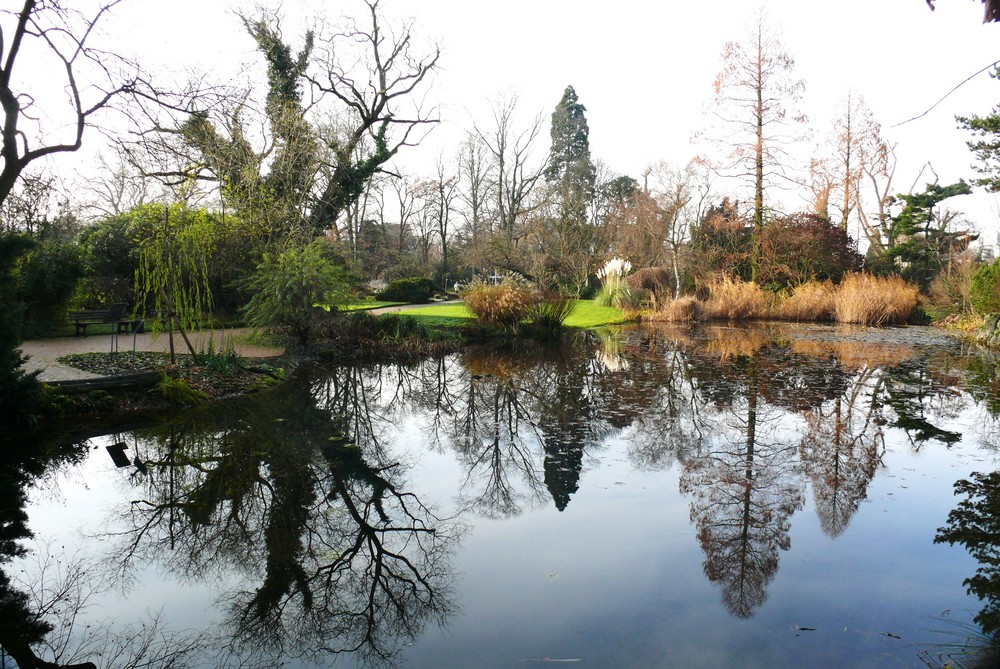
(113, 314)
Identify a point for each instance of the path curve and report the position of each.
(406, 307)
(43, 353)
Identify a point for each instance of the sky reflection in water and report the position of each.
(655, 497)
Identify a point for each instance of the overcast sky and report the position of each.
(643, 70)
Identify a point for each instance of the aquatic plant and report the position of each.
(682, 310)
(552, 311)
(810, 301)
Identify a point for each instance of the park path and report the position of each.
(406, 307)
(43, 353)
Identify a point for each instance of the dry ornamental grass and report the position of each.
(735, 300)
(859, 299)
(875, 300)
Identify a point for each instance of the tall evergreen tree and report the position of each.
(569, 158)
(565, 232)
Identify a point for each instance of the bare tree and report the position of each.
(680, 195)
(383, 108)
(116, 189)
(756, 98)
(513, 177)
(93, 81)
(474, 175)
(854, 150)
(442, 201)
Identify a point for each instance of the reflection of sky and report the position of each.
(72, 507)
(617, 578)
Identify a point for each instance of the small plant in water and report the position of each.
(176, 391)
(614, 290)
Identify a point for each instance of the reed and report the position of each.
(735, 300)
(874, 300)
(812, 301)
(682, 310)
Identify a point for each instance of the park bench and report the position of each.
(114, 314)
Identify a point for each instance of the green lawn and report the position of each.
(368, 304)
(586, 314)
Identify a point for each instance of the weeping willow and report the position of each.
(172, 277)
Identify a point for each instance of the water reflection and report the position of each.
(300, 502)
(335, 554)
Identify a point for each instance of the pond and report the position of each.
(682, 497)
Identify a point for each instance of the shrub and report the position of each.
(656, 281)
(984, 291)
(551, 311)
(177, 392)
(801, 247)
(737, 300)
(869, 300)
(287, 290)
(506, 304)
(812, 301)
(45, 280)
(417, 290)
(20, 392)
(949, 293)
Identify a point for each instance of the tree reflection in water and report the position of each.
(307, 505)
(303, 498)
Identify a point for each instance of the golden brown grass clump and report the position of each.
(737, 300)
(875, 300)
(812, 301)
(682, 310)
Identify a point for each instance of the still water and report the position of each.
(710, 497)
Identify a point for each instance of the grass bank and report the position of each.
(585, 314)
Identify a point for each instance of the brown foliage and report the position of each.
(655, 281)
(507, 303)
(803, 247)
(681, 310)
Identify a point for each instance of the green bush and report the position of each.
(984, 293)
(45, 280)
(111, 257)
(290, 288)
(417, 290)
(177, 392)
(20, 392)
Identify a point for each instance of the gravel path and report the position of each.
(42, 353)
